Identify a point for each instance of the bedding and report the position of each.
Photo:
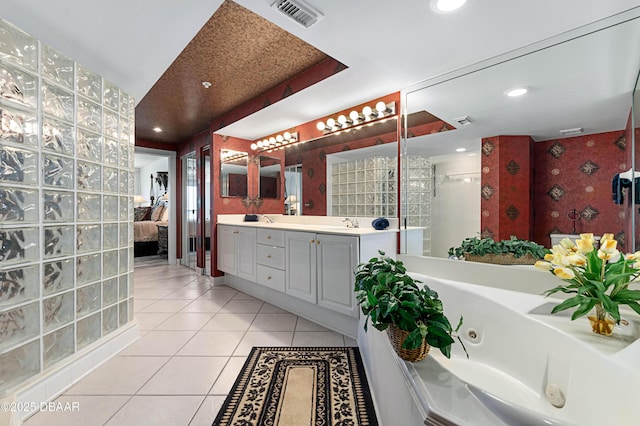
(145, 228)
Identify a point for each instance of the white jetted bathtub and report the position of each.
(525, 366)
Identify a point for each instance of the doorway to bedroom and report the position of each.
(154, 218)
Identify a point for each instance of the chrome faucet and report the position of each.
(351, 223)
(267, 218)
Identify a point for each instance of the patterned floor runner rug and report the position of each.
(282, 386)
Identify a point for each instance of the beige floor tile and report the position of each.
(317, 338)
(170, 306)
(270, 309)
(149, 321)
(274, 322)
(244, 296)
(212, 343)
(185, 376)
(151, 294)
(121, 375)
(348, 341)
(208, 411)
(263, 338)
(200, 305)
(306, 325)
(157, 410)
(139, 304)
(185, 321)
(221, 296)
(158, 343)
(92, 410)
(228, 377)
(229, 322)
(241, 306)
(189, 293)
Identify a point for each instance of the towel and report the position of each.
(618, 185)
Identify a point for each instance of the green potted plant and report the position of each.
(412, 315)
(504, 252)
(599, 278)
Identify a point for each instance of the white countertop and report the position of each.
(319, 224)
(305, 227)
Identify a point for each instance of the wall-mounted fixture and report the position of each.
(356, 118)
(276, 141)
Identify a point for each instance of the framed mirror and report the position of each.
(233, 173)
(270, 177)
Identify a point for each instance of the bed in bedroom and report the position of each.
(145, 228)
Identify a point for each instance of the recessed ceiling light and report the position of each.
(446, 6)
(518, 91)
(206, 84)
(461, 149)
(157, 129)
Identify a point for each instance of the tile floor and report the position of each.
(193, 342)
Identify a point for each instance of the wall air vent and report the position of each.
(299, 11)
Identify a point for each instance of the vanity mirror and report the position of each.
(270, 176)
(233, 173)
(537, 156)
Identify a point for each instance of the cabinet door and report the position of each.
(246, 253)
(227, 249)
(337, 259)
(301, 265)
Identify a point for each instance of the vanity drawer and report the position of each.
(272, 237)
(269, 255)
(271, 277)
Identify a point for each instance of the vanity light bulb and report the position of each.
(367, 111)
(272, 140)
(254, 146)
(331, 123)
(286, 136)
(279, 138)
(342, 120)
(354, 116)
(260, 144)
(320, 126)
(381, 107)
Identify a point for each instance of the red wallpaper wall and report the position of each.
(506, 187)
(576, 173)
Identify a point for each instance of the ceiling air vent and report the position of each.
(464, 120)
(572, 132)
(299, 11)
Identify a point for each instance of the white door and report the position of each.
(301, 265)
(337, 257)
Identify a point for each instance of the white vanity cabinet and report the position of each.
(237, 251)
(270, 256)
(319, 269)
(306, 268)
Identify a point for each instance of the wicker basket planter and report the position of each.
(397, 337)
(501, 259)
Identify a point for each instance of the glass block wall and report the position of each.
(365, 187)
(66, 207)
(417, 195)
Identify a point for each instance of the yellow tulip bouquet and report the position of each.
(599, 277)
